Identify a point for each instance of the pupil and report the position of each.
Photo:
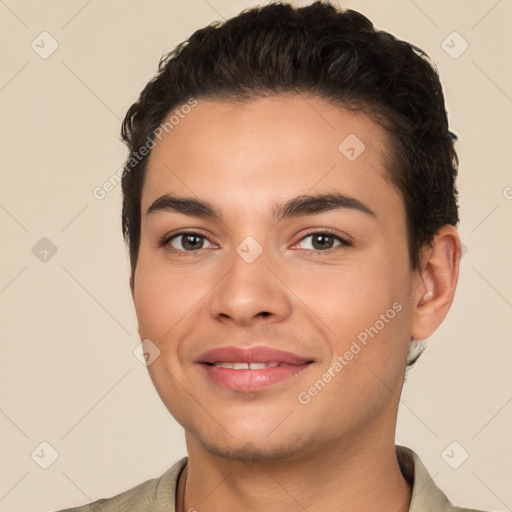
(192, 242)
(322, 242)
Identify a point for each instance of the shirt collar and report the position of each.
(426, 495)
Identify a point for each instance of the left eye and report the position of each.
(321, 241)
(189, 242)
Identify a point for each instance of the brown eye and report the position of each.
(321, 241)
(188, 242)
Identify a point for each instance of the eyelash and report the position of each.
(165, 241)
(331, 234)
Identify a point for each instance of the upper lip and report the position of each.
(259, 354)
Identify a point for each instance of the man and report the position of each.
(290, 210)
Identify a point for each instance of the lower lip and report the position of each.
(248, 381)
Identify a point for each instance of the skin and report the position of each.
(265, 450)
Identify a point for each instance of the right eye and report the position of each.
(188, 242)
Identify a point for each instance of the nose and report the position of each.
(250, 293)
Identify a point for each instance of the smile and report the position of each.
(249, 366)
(251, 377)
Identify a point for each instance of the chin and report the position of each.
(248, 452)
(251, 444)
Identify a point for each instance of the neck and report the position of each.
(356, 474)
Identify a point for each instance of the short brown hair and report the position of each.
(336, 55)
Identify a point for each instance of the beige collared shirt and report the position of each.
(159, 494)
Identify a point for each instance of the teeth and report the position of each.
(247, 366)
(260, 366)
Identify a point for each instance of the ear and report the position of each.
(435, 282)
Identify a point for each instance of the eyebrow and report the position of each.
(296, 207)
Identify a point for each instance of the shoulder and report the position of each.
(459, 509)
(426, 495)
(153, 495)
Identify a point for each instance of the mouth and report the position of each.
(248, 366)
(251, 369)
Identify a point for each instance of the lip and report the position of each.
(248, 381)
(259, 354)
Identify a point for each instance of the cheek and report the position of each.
(161, 304)
(366, 309)
(346, 297)
(162, 296)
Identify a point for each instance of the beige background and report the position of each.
(69, 376)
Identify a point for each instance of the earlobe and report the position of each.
(435, 283)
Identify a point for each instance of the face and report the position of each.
(272, 226)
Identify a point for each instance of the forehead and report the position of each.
(257, 153)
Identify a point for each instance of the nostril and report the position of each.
(265, 313)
